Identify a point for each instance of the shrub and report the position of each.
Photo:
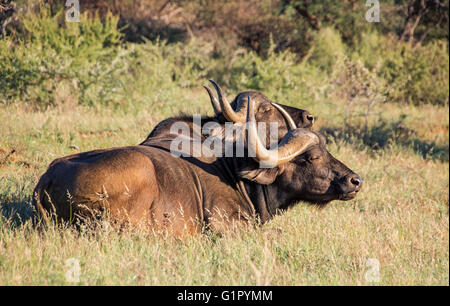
(327, 49)
(416, 75)
(87, 63)
(274, 75)
(357, 87)
(189, 62)
(85, 57)
(52, 62)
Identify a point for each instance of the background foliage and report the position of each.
(280, 46)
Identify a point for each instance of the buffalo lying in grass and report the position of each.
(148, 184)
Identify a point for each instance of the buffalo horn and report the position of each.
(227, 110)
(294, 143)
(215, 104)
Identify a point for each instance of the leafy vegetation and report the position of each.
(49, 58)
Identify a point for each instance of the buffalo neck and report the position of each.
(265, 200)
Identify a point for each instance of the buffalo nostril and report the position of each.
(310, 118)
(356, 181)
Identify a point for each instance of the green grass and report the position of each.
(400, 217)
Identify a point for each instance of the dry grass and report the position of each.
(400, 217)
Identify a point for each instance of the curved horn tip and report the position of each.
(207, 89)
(285, 114)
(214, 83)
(217, 87)
(227, 111)
(215, 104)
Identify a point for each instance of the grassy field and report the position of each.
(400, 218)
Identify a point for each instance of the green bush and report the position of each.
(154, 77)
(274, 75)
(327, 49)
(371, 49)
(87, 63)
(189, 62)
(81, 60)
(52, 62)
(416, 76)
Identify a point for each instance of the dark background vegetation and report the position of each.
(230, 41)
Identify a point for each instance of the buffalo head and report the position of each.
(300, 168)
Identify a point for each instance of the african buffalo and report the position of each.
(148, 185)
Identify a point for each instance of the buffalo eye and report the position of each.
(314, 158)
(265, 109)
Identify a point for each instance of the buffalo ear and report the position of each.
(263, 176)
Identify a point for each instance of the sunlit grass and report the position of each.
(400, 217)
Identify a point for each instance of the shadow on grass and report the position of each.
(15, 209)
(386, 134)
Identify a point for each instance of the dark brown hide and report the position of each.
(147, 185)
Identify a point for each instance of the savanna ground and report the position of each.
(114, 98)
